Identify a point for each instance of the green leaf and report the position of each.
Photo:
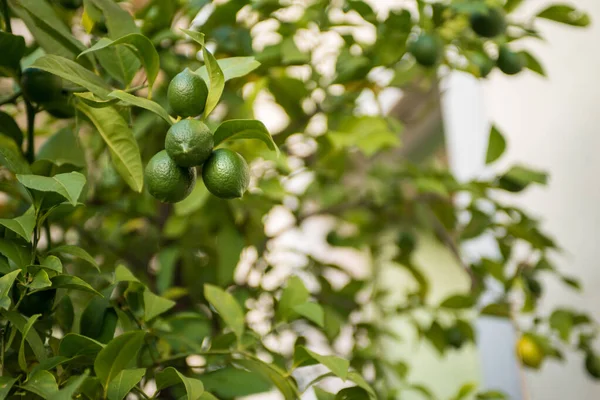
(465, 391)
(519, 177)
(118, 21)
(155, 305)
(533, 64)
(32, 336)
(170, 377)
(352, 393)
(193, 202)
(458, 301)
(142, 103)
(145, 51)
(67, 185)
(19, 255)
(77, 252)
(25, 332)
(70, 389)
(323, 395)
(217, 82)
(52, 263)
(119, 138)
(491, 395)
(562, 321)
(227, 307)
(311, 311)
(12, 157)
(565, 14)
(8, 127)
(117, 355)
(337, 365)
(167, 261)
(497, 310)
(98, 319)
(233, 67)
(62, 148)
(293, 295)
(73, 72)
(274, 375)
(94, 101)
(13, 49)
(23, 225)
(244, 129)
(41, 383)
(75, 345)
(496, 145)
(122, 384)
(230, 244)
(123, 274)
(72, 282)
(247, 383)
(6, 283)
(49, 30)
(196, 36)
(6, 383)
(512, 5)
(40, 280)
(360, 381)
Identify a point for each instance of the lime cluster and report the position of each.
(171, 173)
(428, 48)
(46, 90)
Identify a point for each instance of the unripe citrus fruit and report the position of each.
(592, 365)
(529, 351)
(488, 24)
(187, 94)
(189, 142)
(484, 64)
(226, 174)
(40, 86)
(455, 337)
(426, 49)
(167, 181)
(60, 107)
(509, 62)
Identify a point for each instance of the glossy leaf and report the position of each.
(145, 51)
(67, 185)
(6, 284)
(8, 127)
(34, 340)
(155, 305)
(311, 311)
(244, 129)
(19, 255)
(122, 384)
(25, 332)
(217, 82)
(40, 280)
(22, 226)
(119, 138)
(274, 375)
(72, 282)
(77, 252)
(73, 72)
(42, 383)
(170, 377)
(62, 148)
(13, 48)
(232, 67)
(227, 307)
(11, 156)
(294, 294)
(142, 103)
(337, 365)
(70, 389)
(117, 355)
(74, 345)
(565, 14)
(6, 383)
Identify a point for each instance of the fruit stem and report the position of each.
(6, 15)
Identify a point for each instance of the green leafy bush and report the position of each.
(106, 292)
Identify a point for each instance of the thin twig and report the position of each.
(11, 98)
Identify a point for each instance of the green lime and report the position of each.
(187, 94)
(509, 62)
(167, 181)
(529, 351)
(427, 50)
(488, 24)
(61, 107)
(592, 365)
(189, 142)
(226, 174)
(40, 86)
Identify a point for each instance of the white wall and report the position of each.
(553, 125)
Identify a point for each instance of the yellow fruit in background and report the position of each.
(530, 352)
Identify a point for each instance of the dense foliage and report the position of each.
(106, 291)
